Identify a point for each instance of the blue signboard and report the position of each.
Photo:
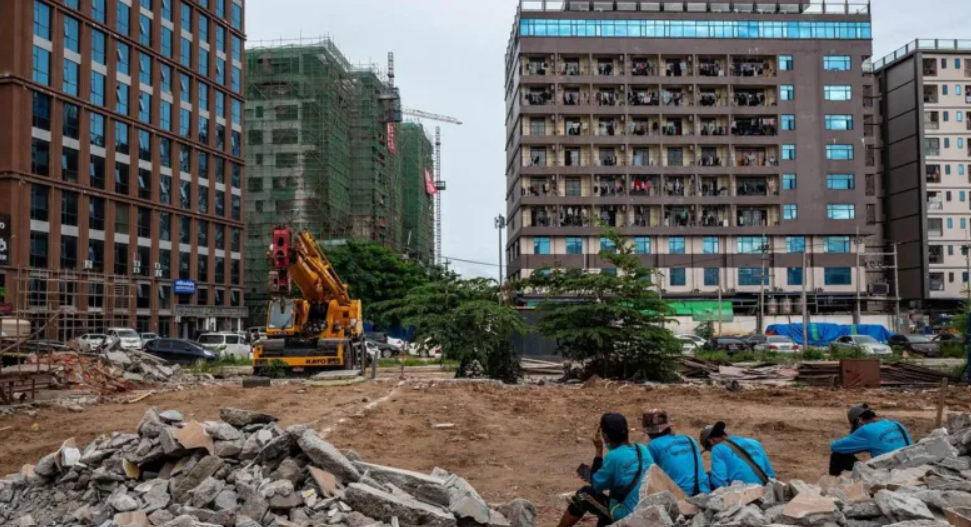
(185, 287)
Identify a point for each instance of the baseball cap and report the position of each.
(655, 421)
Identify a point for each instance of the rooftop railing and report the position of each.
(925, 44)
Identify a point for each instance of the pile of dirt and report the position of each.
(928, 483)
(242, 471)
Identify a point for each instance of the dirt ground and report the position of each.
(508, 442)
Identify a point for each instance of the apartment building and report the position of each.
(121, 164)
(926, 135)
(724, 139)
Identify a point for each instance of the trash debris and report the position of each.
(243, 471)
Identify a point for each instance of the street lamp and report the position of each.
(500, 225)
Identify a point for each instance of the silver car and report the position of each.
(778, 344)
(868, 344)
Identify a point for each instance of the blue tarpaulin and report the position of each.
(822, 334)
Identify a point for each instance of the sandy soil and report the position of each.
(507, 442)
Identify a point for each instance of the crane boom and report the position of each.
(432, 116)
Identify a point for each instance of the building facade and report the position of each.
(926, 134)
(723, 142)
(121, 164)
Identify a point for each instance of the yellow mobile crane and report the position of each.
(324, 328)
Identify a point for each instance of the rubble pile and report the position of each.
(928, 483)
(105, 374)
(243, 471)
(143, 367)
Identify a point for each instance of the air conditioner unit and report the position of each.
(882, 289)
(87, 265)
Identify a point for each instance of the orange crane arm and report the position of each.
(313, 273)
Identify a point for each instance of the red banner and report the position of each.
(430, 184)
(391, 146)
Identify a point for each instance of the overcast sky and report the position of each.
(450, 59)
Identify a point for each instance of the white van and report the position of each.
(130, 340)
(226, 344)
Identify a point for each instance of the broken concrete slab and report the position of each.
(423, 487)
(241, 418)
(193, 435)
(327, 457)
(384, 506)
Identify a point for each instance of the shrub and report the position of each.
(953, 350)
(840, 352)
(812, 354)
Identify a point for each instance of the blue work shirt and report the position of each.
(877, 438)
(727, 466)
(619, 468)
(680, 458)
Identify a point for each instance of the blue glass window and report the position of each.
(203, 96)
(42, 20)
(165, 117)
(785, 63)
(237, 49)
(203, 62)
(840, 181)
(237, 111)
(794, 276)
(145, 31)
(123, 59)
(236, 86)
(71, 81)
(839, 122)
(203, 28)
(167, 10)
(41, 112)
(838, 276)
(839, 152)
(788, 181)
(237, 16)
(72, 34)
(748, 276)
(573, 245)
(787, 92)
(221, 8)
(97, 125)
(836, 244)
(220, 71)
(828, 30)
(947, 116)
(950, 223)
(145, 68)
(185, 52)
(541, 245)
(145, 107)
(99, 47)
(751, 244)
(185, 89)
(186, 17)
(642, 245)
(606, 244)
(41, 66)
(788, 122)
(789, 211)
(788, 152)
(165, 71)
(712, 276)
(837, 92)
(943, 89)
(166, 42)
(235, 181)
(947, 142)
(710, 245)
(678, 277)
(220, 38)
(836, 63)
(122, 98)
(185, 123)
(220, 104)
(97, 88)
(841, 211)
(795, 244)
(676, 245)
(123, 18)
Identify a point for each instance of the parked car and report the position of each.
(386, 350)
(147, 337)
(698, 341)
(179, 351)
(399, 344)
(91, 341)
(919, 344)
(226, 344)
(688, 346)
(129, 339)
(778, 344)
(256, 332)
(377, 336)
(424, 349)
(753, 340)
(868, 344)
(949, 337)
(728, 344)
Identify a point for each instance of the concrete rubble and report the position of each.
(925, 484)
(243, 471)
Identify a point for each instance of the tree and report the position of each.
(614, 320)
(376, 274)
(465, 319)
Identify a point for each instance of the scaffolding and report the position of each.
(318, 155)
(418, 207)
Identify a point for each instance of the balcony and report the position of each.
(645, 186)
(675, 186)
(610, 216)
(711, 157)
(539, 187)
(936, 281)
(709, 98)
(609, 127)
(755, 217)
(714, 216)
(607, 186)
(574, 97)
(536, 158)
(680, 216)
(643, 68)
(935, 254)
(575, 127)
(711, 68)
(932, 121)
(934, 202)
(606, 97)
(608, 158)
(753, 67)
(538, 97)
(754, 126)
(575, 217)
(607, 68)
(674, 97)
(932, 173)
(930, 94)
(645, 216)
(714, 127)
(675, 126)
(713, 187)
(536, 67)
(644, 127)
(755, 187)
(677, 67)
(756, 157)
(640, 97)
(757, 98)
(538, 216)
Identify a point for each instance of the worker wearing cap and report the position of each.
(735, 458)
(868, 433)
(678, 455)
(615, 477)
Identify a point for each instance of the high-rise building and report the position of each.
(121, 164)
(321, 157)
(724, 140)
(926, 112)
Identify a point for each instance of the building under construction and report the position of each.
(328, 153)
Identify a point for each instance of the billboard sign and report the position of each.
(185, 287)
(5, 257)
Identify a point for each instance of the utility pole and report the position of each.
(719, 303)
(500, 225)
(765, 248)
(805, 310)
(896, 291)
(857, 315)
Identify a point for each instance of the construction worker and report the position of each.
(735, 458)
(678, 455)
(868, 433)
(614, 479)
